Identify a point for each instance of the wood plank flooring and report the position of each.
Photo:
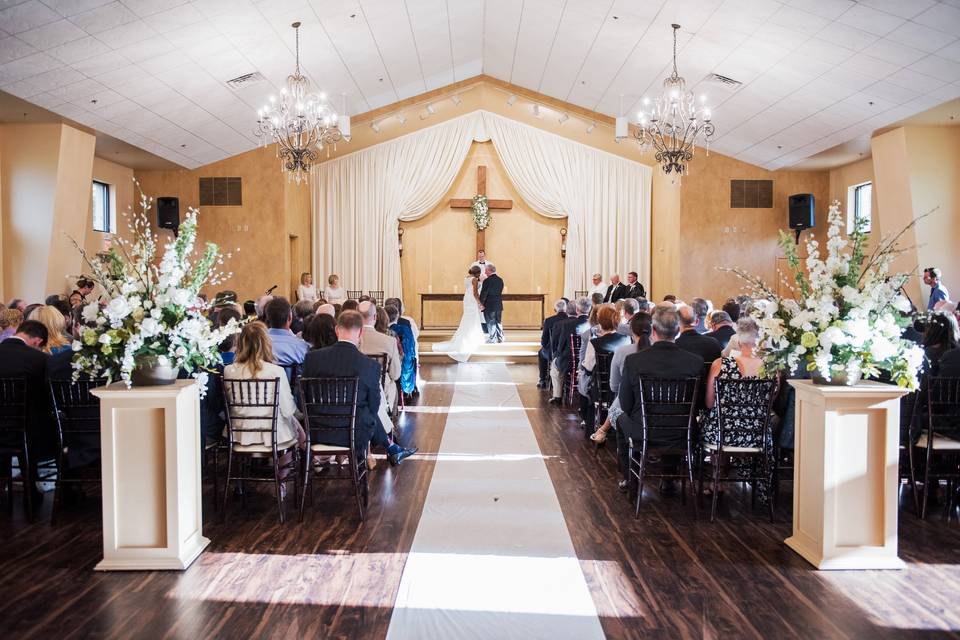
(664, 574)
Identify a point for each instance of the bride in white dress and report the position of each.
(469, 334)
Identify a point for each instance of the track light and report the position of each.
(456, 100)
(375, 127)
(536, 111)
(593, 125)
(430, 109)
(402, 118)
(511, 100)
(563, 118)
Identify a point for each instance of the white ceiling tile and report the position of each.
(941, 17)
(52, 34)
(870, 66)
(870, 20)
(847, 36)
(12, 48)
(921, 37)
(141, 51)
(126, 34)
(78, 90)
(57, 78)
(22, 88)
(149, 7)
(69, 8)
(893, 52)
(26, 16)
(830, 9)
(83, 49)
(951, 51)
(890, 92)
(165, 62)
(800, 21)
(103, 18)
(940, 68)
(47, 101)
(101, 64)
(899, 7)
(174, 19)
(913, 80)
(27, 66)
(945, 92)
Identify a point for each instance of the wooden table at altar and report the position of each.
(507, 297)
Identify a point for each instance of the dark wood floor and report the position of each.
(662, 575)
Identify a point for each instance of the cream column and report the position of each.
(152, 512)
(845, 475)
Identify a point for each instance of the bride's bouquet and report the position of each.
(154, 316)
(847, 314)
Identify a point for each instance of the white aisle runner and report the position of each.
(492, 557)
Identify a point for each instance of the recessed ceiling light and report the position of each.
(94, 101)
(353, 15)
(183, 146)
(616, 17)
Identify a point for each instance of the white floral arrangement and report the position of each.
(154, 311)
(481, 212)
(848, 312)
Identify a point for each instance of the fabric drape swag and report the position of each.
(360, 199)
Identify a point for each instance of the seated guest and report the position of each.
(250, 308)
(375, 343)
(628, 308)
(213, 418)
(560, 309)
(17, 303)
(327, 309)
(76, 299)
(22, 356)
(255, 359)
(261, 305)
(596, 299)
(55, 323)
(722, 328)
(607, 340)
(382, 324)
(337, 308)
(663, 359)
(86, 286)
(597, 285)
(333, 293)
(301, 311)
(285, 346)
(701, 309)
(10, 319)
(307, 291)
(407, 320)
(634, 288)
(689, 340)
(644, 305)
(344, 359)
(672, 299)
(640, 340)
(364, 298)
(225, 298)
(745, 365)
(350, 305)
(408, 363)
(732, 307)
(560, 349)
(939, 337)
(82, 448)
(320, 331)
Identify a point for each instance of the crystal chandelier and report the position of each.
(674, 122)
(301, 123)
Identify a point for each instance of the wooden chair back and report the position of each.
(252, 406)
(354, 295)
(376, 296)
(668, 407)
(745, 411)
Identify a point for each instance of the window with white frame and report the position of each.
(101, 207)
(860, 206)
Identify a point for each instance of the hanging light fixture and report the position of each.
(674, 123)
(301, 123)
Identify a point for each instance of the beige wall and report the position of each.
(45, 174)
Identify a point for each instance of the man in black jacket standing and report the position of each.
(545, 355)
(343, 359)
(616, 290)
(634, 288)
(491, 303)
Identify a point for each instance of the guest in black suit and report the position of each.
(950, 364)
(560, 306)
(491, 303)
(21, 356)
(689, 340)
(634, 288)
(616, 290)
(722, 328)
(344, 360)
(562, 356)
(663, 359)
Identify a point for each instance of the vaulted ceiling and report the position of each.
(814, 73)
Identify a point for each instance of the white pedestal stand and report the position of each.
(845, 475)
(150, 438)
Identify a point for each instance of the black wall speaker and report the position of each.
(801, 211)
(168, 213)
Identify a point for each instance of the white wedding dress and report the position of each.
(469, 334)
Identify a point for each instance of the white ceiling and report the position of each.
(815, 73)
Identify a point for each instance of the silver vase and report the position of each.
(149, 372)
(837, 379)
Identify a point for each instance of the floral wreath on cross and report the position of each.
(481, 212)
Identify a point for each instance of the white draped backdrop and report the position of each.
(359, 199)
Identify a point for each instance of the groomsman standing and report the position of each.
(616, 290)
(634, 288)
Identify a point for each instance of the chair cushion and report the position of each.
(264, 448)
(712, 446)
(940, 443)
(328, 447)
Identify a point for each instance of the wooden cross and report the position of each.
(467, 203)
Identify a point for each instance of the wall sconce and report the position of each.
(563, 242)
(400, 240)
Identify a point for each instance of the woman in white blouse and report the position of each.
(333, 292)
(254, 360)
(306, 290)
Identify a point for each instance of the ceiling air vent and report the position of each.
(724, 80)
(241, 82)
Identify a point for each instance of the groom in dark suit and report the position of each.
(491, 303)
